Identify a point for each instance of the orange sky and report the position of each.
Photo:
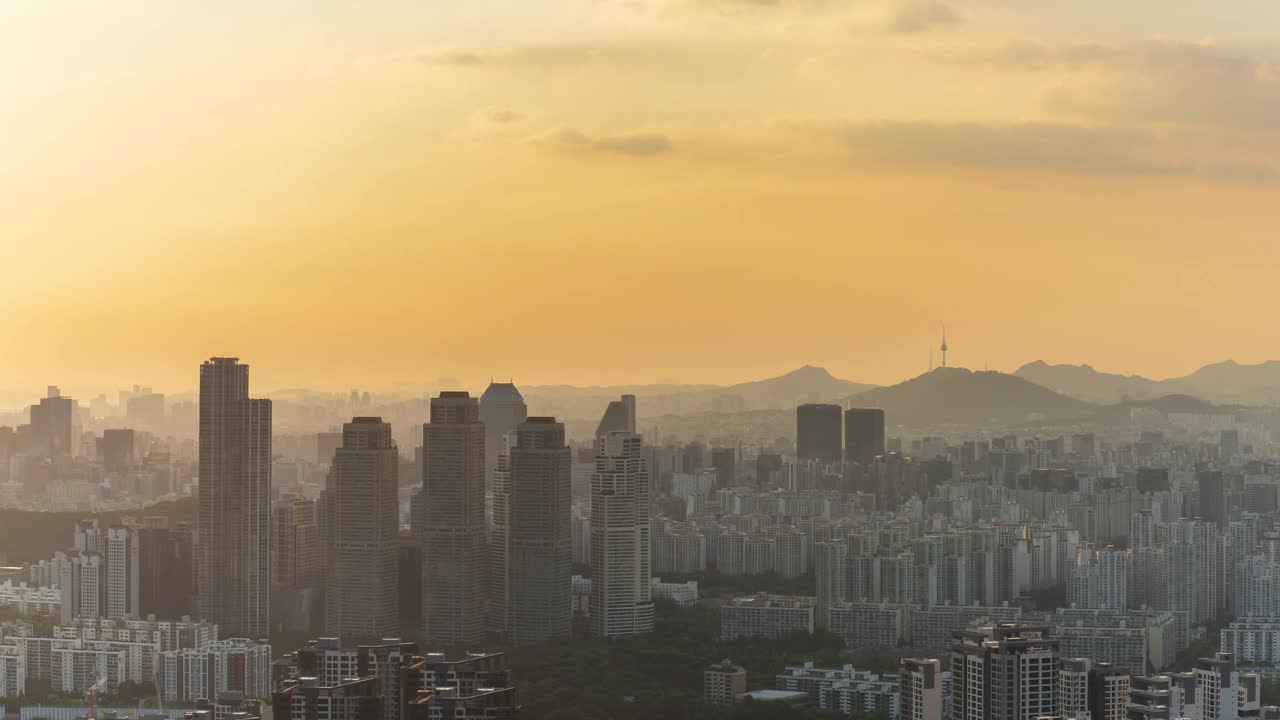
(349, 194)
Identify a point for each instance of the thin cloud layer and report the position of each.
(921, 17)
(1167, 82)
(566, 139)
(1030, 147)
(540, 56)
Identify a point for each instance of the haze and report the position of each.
(598, 192)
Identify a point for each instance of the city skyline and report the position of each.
(13, 399)
(635, 359)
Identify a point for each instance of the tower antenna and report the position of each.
(944, 346)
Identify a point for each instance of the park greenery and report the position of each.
(659, 675)
(30, 536)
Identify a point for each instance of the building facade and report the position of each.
(454, 532)
(532, 541)
(362, 533)
(233, 555)
(621, 594)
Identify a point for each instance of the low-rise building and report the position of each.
(870, 625)
(167, 635)
(846, 690)
(682, 594)
(452, 704)
(1252, 640)
(932, 627)
(722, 683)
(225, 665)
(30, 599)
(766, 616)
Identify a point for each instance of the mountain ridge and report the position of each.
(960, 396)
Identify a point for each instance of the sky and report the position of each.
(351, 194)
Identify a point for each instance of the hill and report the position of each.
(1121, 413)
(29, 536)
(955, 396)
(1230, 381)
(806, 384)
(1083, 382)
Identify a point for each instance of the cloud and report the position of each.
(732, 8)
(1031, 147)
(921, 17)
(636, 144)
(1166, 82)
(495, 122)
(736, 7)
(542, 56)
(502, 116)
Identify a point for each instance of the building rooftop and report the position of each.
(775, 696)
(501, 392)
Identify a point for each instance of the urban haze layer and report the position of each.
(971, 545)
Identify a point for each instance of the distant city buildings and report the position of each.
(502, 409)
(863, 435)
(819, 433)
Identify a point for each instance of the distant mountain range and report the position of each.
(1235, 382)
(1224, 382)
(806, 384)
(947, 396)
(1084, 383)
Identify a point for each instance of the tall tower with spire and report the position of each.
(944, 346)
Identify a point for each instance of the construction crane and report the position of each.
(88, 695)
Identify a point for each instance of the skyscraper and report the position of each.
(502, 409)
(725, 462)
(619, 416)
(768, 467)
(166, 566)
(863, 435)
(233, 558)
(117, 450)
(532, 544)
(831, 561)
(54, 424)
(621, 597)
(818, 430)
(124, 579)
(146, 411)
(1100, 579)
(80, 582)
(295, 542)
(361, 538)
(454, 544)
(1213, 497)
(1006, 672)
